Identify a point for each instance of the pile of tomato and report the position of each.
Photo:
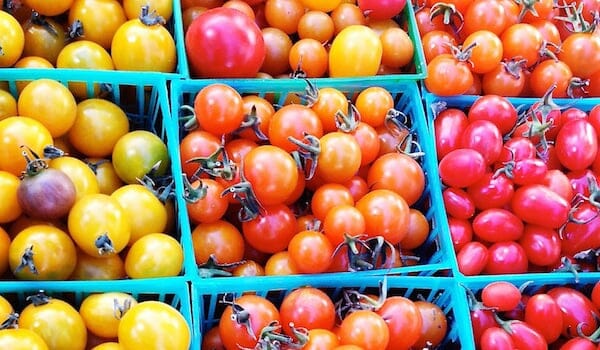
(535, 315)
(306, 38)
(511, 48)
(88, 34)
(101, 321)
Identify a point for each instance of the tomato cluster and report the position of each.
(301, 38)
(88, 34)
(310, 317)
(520, 186)
(333, 182)
(85, 191)
(100, 321)
(511, 48)
(535, 315)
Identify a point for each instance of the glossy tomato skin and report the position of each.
(577, 237)
(576, 309)
(577, 144)
(539, 205)
(462, 167)
(307, 307)
(500, 295)
(381, 9)
(484, 137)
(496, 225)
(497, 109)
(506, 257)
(472, 258)
(542, 245)
(538, 310)
(491, 191)
(449, 126)
(458, 203)
(224, 43)
(461, 232)
(496, 338)
(526, 337)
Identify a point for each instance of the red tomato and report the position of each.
(491, 191)
(219, 109)
(496, 338)
(577, 310)
(311, 251)
(447, 76)
(458, 203)
(539, 309)
(539, 205)
(484, 137)
(461, 232)
(381, 9)
(497, 109)
(366, 329)
(577, 144)
(224, 43)
(271, 231)
(462, 167)
(506, 257)
(542, 245)
(237, 330)
(501, 296)
(497, 225)
(400, 173)
(472, 258)
(404, 321)
(307, 307)
(449, 125)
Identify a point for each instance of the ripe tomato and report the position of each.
(472, 258)
(355, 51)
(102, 312)
(446, 76)
(13, 40)
(400, 173)
(21, 339)
(491, 191)
(80, 174)
(366, 329)
(8, 105)
(221, 239)
(497, 225)
(449, 125)
(210, 208)
(92, 268)
(309, 56)
(345, 15)
(397, 48)
(485, 15)
(328, 196)
(339, 158)
(506, 79)
(542, 245)
(154, 325)
(321, 339)
(198, 143)
(484, 137)
(403, 320)
(280, 264)
(293, 120)
(495, 108)
(145, 212)
(487, 52)
(97, 127)
(311, 251)
(307, 307)
(506, 257)
(577, 144)
(271, 231)
(577, 309)
(343, 219)
(495, 338)
(100, 19)
(97, 216)
(538, 310)
(372, 104)
(462, 167)
(10, 209)
(138, 152)
(154, 255)
(461, 232)
(522, 40)
(57, 322)
(549, 73)
(530, 201)
(163, 8)
(501, 296)
(316, 24)
(50, 250)
(44, 37)
(386, 214)
(434, 326)
(437, 42)
(238, 331)
(278, 45)
(578, 48)
(219, 109)
(222, 43)
(142, 45)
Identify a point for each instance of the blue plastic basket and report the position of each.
(418, 66)
(174, 292)
(143, 97)
(180, 70)
(436, 253)
(535, 281)
(207, 294)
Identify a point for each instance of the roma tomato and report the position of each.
(497, 225)
(458, 203)
(539, 205)
(496, 338)
(506, 257)
(577, 310)
(224, 43)
(472, 258)
(579, 234)
(462, 167)
(449, 125)
(497, 109)
(539, 309)
(542, 245)
(501, 296)
(577, 144)
(484, 137)
(461, 232)
(355, 51)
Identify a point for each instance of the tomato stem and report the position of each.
(307, 154)
(38, 299)
(311, 92)
(120, 309)
(239, 315)
(243, 192)
(251, 121)
(188, 116)
(449, 12)
(104, 244)
(41, 21)
(150, 18)
(75, 29)
(574, 20)
(12, 321)
(34, 164)
(527, 6)
(566, 265)
(347, 122)
(577, 84)
(191, 194)
(27, 261)
(212, 268)
(217, 164)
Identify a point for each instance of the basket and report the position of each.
(143, 97)
(171, 25)
(435, 254)
(175, 293)
(442, 291)
(418, 66)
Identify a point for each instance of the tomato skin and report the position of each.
(378, 9)
(366, 329)
(307, 307)
(495, 108)
(462, 167)
(484, 137)
(461, 232)
(577, 237)
(506, 257)
(16, 131)
(311, 251)
(496, 225)
(136, 153)
(404, 321)
(481, 319)
(578, 343)
(393, 224)
(539, 309)
(525, 337)
(363, 45)
(542, 245)
(576, 309)
(21, 339)
(500, 295)
(272, 231)
(446, 76)
(472, 258)
(577, 144)
(340, 157)
(539, 205)
(400, 173)
(491, 191)
(235, 47)
(458, 203)
(496, 338)
(516, 149)
(219, 109)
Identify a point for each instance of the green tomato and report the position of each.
(136, 153)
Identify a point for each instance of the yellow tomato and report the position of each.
(108, 180)
(17, 131)
(21, 339)
(10, 209)
(154, 255)
(133, 8)
(92, 268)
(4, 249)
(8, 105)
(356, 51)
(102, 312)
(321, 5)
(99, 19)
(30, 62)
(143, 209)
(12, 40)
(79, 172)
(108, 346)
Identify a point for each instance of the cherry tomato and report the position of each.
(462, 167)
(529, 201)
(234, 332)
(138, 152)
(355, 51)
(539, 309)
(307, 307)
(219, 109)
(13, 40)
(500, 295)
(366, 329)
(506, 257)
(311, 251)
(400, 173)
(447, 76)
(386, 214)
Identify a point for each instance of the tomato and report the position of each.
(449, 125)
(343, 219)
(13, 40)
(316, 24)
(212, 206)
(154, 325)
(241, 331)
(345, 15)
(235, 47)
(278, 45)
(163, 8)
(446, 76)
(154, 255)
(21, 339)
(525, 337)
(497, 109)
(491, 191)
(272, 173)
(558, 182)
(218, 109)
(461, 232)
(280, 264)
(142, 45)
(462, 167)
(542, 245)
(497, 225)
(319, 5)
(496, 338)
(198, 143)
(90, 13)
(400, 173)
(506, 79)
(10, 209)
(484, 137)
(309, 56)
(486, 53)
(578, 48)
(44, 37)
(458, 203)
(577, 144)
(386, 214)
(372, 104)
(48, 251)
(578, 236)
(321, 339)
(102, 312)
(530, 200)
(99, 225)
(307, 307)
(97, 127)
(485, 15)
(501, 296)
(138, 152)
(339, 158)
(404, 321)
(80, 174)
(56, 321)
(311, 251)
(366, 329)
(293, 120)
(271, 231)
(355, 51)
(549, 73)
(284, 14)
(220, 239)
(577, 310)
(30, 62)
(92, 268)
(437, 42)
(522, 40)
(506, 257)
(8, 105)
(376, 10)
(539, 309)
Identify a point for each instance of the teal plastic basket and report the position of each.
(180, 70)
(584, 282)
(143, 97)
(433, 102)
(436, 253)
(175, 292)
(418, 68)
(207, 294)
